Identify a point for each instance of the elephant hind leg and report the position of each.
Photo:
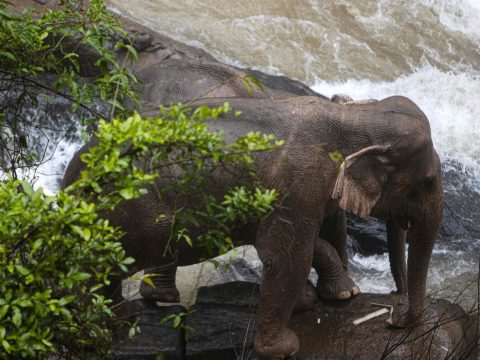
(334, 230)
(163, 279)
(333, 281)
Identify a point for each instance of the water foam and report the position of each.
(49, 174)
(458, 15)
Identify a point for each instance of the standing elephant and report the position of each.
(334, 229)
(391, 171)
(179, 80)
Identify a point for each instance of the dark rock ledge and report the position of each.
(224, 319)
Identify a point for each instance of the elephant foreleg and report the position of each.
(396, 237)
(285, 246)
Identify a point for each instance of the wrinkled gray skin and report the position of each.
(173, 81)
(396, 235)
(391, 171)
(180, 80)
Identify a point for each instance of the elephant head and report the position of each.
(397, 177)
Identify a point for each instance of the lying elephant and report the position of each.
(178, 80)
(391, 171)
(173, 81)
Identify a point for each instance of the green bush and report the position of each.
(54, 256)
(57, 253)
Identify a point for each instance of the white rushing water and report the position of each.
(427, 50)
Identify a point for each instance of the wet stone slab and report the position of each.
(224, 319)
(155, 337)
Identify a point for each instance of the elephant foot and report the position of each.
(161, 294)
(278, 347)
(403, 318)
(337, 289)
(306, 299)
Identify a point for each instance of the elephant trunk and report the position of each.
(425, 225)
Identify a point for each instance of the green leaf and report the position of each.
(22, 270)
(132, 51)
(176, 322)
(128, 193)
(3, 310)
(6, 346)
(17, 318)
(148, 281)
(128, 260)
(27, 187)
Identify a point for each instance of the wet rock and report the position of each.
(461, 204)
(327, 332)
(221, 333)
(235, 293)
(224, 319)
(154, 338)
(366, 236)
(245, 266)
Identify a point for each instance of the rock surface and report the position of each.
(155, 337)
(224, 319)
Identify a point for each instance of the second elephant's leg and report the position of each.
(396, 252)
(334, 230)
(333, 281)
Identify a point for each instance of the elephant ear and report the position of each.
(360, 180)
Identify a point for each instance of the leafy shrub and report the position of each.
(57, 253)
